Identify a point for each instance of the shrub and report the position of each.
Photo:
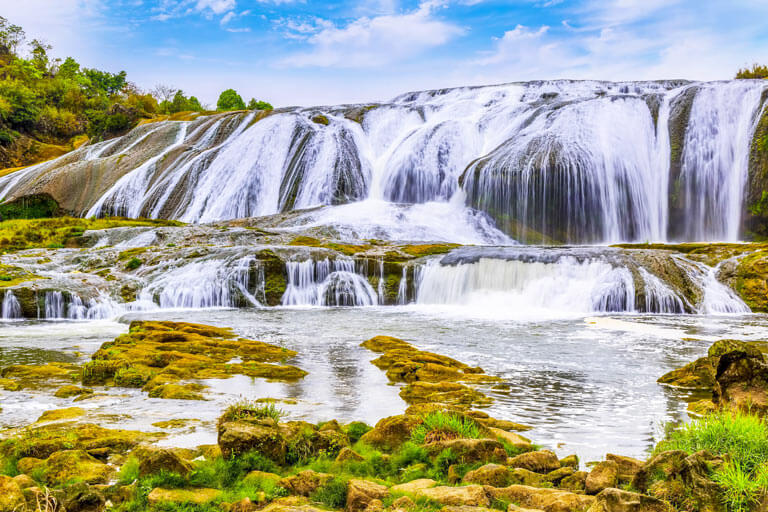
(129, 471)
(246, 409)
(230, 100)
(133, 263)
(356, 430)
(333, 494)
(756, 71)
(441, 425)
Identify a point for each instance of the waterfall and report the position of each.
(659, 297)
(54, 305)
(11, 307)
(550, 162)
(402, 289)
(327, 283)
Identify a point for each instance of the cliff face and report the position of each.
(756, 199)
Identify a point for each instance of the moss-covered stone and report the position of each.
(61, 414)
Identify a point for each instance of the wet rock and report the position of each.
(360, 493)
(495, 475)
(11, 495)
(604, 475)
(616, 500)
(548, 500)
(470, 495)
(556, 476)
(238, 437)
(700, 374)
(517, 441)
(571, 461)
(522, 476)
(542, 461)
(470, 450)
(152, 460)
(81, 497)
(305, 483)
(70, 465)
(390, 433)
(61, 414)
(414, 486)
(628, 467)
(452, 393)
(195, 496)
(742, 381)
(72, 391)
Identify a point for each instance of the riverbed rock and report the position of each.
(11, 495)
(469, 495)
(305, 483)
(557, 476)
(548, 500)
(390, 433)
(604, 475)
(470, 450)
(628, 467)
(576, 482)
(154, 459)
(541, 461)
(742, 381)
(263, 435)
(571, 461)
(81, 497)
(617, 500)
(495, 475)
(360, 493)
(72, 465)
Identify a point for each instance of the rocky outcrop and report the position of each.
(617, 500)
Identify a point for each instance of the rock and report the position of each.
(515, 508)
(195, 496)
(238, 437)
(24, 481)
(70, 391)
(375, 506)
(556, 476)
(244, 505)
(11, 495)
(470, 450)
(571, 461)
(452, 393)
(403, 503)
(465, 508)
(522, 476)
(81, 497)
(209, 451)
(542, 461)
(61, 414)
(261, 476)
(471, 495)
(347, 454)
(517, 441)
(603, 475)
(742, 382)
(360, 493)
(616, 500)
(548, 500)
(153, 460)
(574, 483)
(305, 483)
(628, 467)
(495, 475)
(700, 374)
(414, 486)
(70, 465)
(390, 433)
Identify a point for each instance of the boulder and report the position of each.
(360, 493)
(470, 495)
(153, 459)
(522, 476)
(514, 508)
(305, 483)
(11, 495)
(742, 381)
(414, 486)
(556, 476)
(262, 476)
(390, 433)
(604, 475)
(517, 441)
(470, 450)
(628, 467)
(194, 496)
(348, 454)
(575, 482)
(548, 500)
(495, 475)
(403, 503)
(238, 437)
(375, 506)
(71, 465)
(24, 481)
(542, 461)
(571, 461)
(616, 500)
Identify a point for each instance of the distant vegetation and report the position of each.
(49, 106)
(757, 71)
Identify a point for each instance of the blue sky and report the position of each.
(307, 52)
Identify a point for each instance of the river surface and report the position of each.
(585, 385)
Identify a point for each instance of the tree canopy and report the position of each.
(230, 100)
(756, 71)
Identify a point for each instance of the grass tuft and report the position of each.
(439, 426)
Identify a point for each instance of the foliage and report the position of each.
(129, 471)
(133, 263)
(259, 105)
(756, 71)
(356, 430)
(333, 494)
(180, 103)
(230, 100)
(245, 409)
(439, 425)
(744, 438)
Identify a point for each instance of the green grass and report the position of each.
(333, 494)
(133, 263)
(440, 425)
(129, 472)
(742, 436)
(245, 409)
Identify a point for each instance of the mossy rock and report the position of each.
(61, 414)
(68, 466)
(70, 391)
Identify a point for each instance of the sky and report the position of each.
(308, 52)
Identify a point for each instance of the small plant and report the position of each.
(333, 494)
(246, 409)
(440, 426)
(356, 430)
(129, 472)
(133, 263)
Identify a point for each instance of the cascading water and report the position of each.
(327, 283)
(11, 309)
(54, 305)
(659, 297)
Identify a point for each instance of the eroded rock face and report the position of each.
(742, 381)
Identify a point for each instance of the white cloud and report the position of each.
(372, 41)
(216, 6)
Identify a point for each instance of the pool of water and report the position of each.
(585, 385)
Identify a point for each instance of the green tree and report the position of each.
(69, 69)
(259, 105)
(11, 36)
(757, 71)
(40, 58)
(230, 100)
